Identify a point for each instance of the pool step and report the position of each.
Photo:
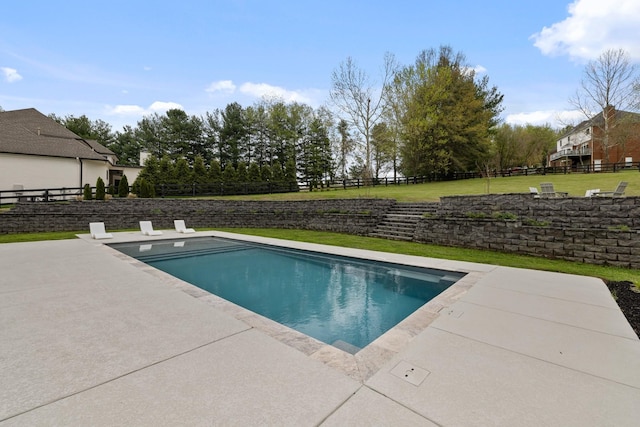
(189, 252)
(401, 220)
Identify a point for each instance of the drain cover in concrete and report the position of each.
(410, 373)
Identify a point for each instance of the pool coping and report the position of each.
(360, 366)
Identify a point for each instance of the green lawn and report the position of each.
(574, 184)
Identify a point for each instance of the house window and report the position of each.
(587, 131)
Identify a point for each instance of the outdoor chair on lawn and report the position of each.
(147, 229)
(534, 192)
(98, 232)
(592, 193)
(549, 192)
(181, 227)
(618, 192)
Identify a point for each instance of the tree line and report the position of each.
(435, 116)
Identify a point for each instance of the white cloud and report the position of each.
(592, 27)
(126, 110)
(554, 118)
(264, 90)
(479, 69)
(159, 106)
(10, 74)
(138, 111)
(225, 86)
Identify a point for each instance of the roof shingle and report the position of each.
(30, 132)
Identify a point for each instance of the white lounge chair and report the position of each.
(534, 191)
(181, 227)
(98, 232)
(592, 192)
(147, 229)
(547, 191)
(618, 192)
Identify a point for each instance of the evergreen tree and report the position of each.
(253, 173)
(182, 172)
(265, 173)
(146, 189)
(123, 186)
(277, 173)
(199, 171)
(127, 147)
(166, 171)
(151, 170)
(233, 135)
(215, 172)
(290, 171)
(229, 175)
(100, 190)
(242, 173)
(87, 193)
(345, 149)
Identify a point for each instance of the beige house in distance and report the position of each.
(36, 152)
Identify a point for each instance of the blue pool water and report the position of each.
(334, 299)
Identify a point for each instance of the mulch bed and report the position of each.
(627, 296)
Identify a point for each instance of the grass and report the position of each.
(37, 237)
(575, 184)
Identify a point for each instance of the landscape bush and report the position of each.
(100, 189)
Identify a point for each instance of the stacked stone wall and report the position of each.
(358, 216)
(603, 231)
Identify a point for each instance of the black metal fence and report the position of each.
(40, 194)
(247, 188)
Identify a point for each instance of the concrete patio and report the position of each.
(90, 336)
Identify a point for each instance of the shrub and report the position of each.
(123, 187)
(88, 195)
(100, 191)
(112, 190)
(504, 215)
(476, 215)
(535, 222)
(147, 190)
(135, 188)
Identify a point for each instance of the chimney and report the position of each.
(609, 112)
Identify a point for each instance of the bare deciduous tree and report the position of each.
(361, 99)
(609, 83)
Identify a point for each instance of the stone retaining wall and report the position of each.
(570, 212)
(593, 245)
(358, 216)
(603, 231)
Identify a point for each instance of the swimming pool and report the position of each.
(342, 301)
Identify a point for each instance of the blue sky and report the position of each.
(120, 60)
